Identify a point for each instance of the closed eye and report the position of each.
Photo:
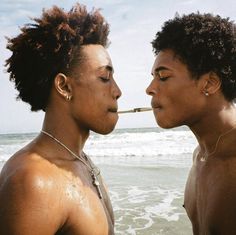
(104, 79)
(163, 78)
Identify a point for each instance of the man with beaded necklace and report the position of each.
(59, 64)
(194, 84)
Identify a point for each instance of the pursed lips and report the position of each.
(113, 110)
(155, 105)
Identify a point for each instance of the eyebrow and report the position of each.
(161, 68)
(107, 67)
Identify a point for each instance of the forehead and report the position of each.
(167, 60)
(96, 56)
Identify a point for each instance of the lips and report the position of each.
(113, 110)
(156, 105)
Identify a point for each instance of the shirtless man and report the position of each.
(194, 84)
(60, 65)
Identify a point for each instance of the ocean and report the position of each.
(145, 170)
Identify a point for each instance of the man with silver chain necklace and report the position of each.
(59, 64)
(194, 84)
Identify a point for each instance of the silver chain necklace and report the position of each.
(94, 171)
(205, 155)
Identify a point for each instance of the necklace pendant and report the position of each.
(97, 184)
(202, 159)
(93, 170)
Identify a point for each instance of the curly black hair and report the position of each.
(49, 46)
(205, 43)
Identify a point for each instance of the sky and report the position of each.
(133, 25)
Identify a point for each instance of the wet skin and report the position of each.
(44, 190)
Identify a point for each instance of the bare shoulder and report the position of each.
(223, 173)
(44, 197)
(28, 170)
(195, 153)
(27, 195)
(221, 196)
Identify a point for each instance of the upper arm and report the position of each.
(27, 204)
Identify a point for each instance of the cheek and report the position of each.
(175, 111)
(97, 97)
(103, 123)
(181, 96)
(179, 106)
(188, 109)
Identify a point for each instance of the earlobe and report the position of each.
(63, 86)
(211, 83)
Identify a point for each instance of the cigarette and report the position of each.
(135, 110)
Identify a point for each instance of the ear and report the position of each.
(211, 83)
(63, 85)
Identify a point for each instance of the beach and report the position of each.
(145, 170)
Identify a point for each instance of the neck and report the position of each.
(66, 130)
(213, 125)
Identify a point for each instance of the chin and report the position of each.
(165, 124)
(105, 129)
(106, 132)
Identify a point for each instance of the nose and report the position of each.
(116, 91)
(151, 89)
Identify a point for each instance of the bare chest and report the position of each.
(88, 216)
(199, 199)
(86, 213)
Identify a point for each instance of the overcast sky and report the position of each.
(133, 25)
